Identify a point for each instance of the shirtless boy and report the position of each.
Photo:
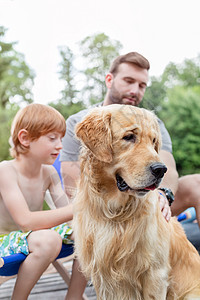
(36, 137)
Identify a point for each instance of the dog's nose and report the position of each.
(158, 170)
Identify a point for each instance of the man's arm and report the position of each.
(57, 194)
(70, 171)
(170, 179)
(69, 156)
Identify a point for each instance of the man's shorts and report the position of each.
(16, 241)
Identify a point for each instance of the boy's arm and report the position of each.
(24, 218)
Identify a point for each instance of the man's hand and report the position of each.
(164, 206)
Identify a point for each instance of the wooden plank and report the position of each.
(50, 286)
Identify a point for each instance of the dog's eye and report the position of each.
(154, 140)
(130, 138)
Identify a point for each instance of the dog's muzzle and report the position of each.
(157, 170)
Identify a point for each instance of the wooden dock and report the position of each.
(51, 286)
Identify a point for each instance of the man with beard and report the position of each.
(126, 84)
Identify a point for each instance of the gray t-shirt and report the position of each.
(71, 145)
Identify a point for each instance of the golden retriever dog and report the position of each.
(122, 240)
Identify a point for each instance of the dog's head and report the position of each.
(126, 141)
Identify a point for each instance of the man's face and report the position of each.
(128, 85)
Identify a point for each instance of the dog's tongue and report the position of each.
(150, 188)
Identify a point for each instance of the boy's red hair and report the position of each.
(38, 120)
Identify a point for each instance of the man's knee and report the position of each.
(189, 185)
(188, 192)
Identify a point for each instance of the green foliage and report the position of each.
(175, 98)
(16, 78)
(98, 51)
(87, 85)
(185, 74)
(67, 73)
(68, 109)
(46, 206)
(68, 104)
(6, 117)
(16, 81)
(154, 96)
(181, 116)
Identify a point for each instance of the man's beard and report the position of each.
(116, 98)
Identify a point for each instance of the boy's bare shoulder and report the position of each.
(48, 169)
(49, 173)
(6, 165)
(7, 171)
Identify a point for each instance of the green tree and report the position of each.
(181, 116)
(6, 117)
(67, 109)
(85, 86)
(68, 103)
(98, 51)
(16, 78)
(155, 95)
(185, 74)
(67, 75)
(174, 96)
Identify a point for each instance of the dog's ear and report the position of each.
(94, 131)
(158, 143)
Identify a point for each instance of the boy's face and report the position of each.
(46, 148)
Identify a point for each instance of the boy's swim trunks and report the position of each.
(16, 241)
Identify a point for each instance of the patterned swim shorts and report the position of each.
(16, 242)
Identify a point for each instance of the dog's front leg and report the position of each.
(155, 285)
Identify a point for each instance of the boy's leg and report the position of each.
(77, 283)
(44, 247)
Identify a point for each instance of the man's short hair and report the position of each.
(131, 58)
(38, 120)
